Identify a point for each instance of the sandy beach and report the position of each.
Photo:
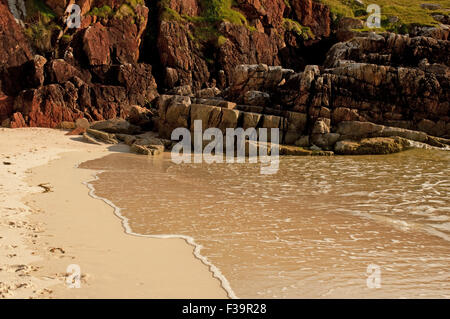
(49, 222)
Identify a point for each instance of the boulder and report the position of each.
(256, 79)
(139, 83)
(229, 119)
(49, 105)
(116, 126)
(77, 131)
(126, 138)
(66, 125)
(59, 71)
(208, 93)
(100, 136)
(145, 150)
(358, 129)
(82, 123)
(184, 90)
(321, 126)
(250, 120)
(174, 112)
(257, 98)
(89, 139)
(372, 146)
(209, 115)
(296, 127)
(140, 116)
(288, 150)
(325, 141)
(343, 114)
(96, 45)
(303, 141)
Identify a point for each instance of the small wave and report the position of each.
(191, 241)
(404, 225)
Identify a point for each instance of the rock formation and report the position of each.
(248, 63)
(92, 72)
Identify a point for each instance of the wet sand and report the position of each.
(46, 228)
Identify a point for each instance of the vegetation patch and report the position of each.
(396, 15)
(296, 27)
(222, 10)
(40, 25)
(102, 12)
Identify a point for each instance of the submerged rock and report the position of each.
(289, 150)
(145, 150)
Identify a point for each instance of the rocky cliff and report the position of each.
(266, 63)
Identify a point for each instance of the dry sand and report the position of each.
(42, 233)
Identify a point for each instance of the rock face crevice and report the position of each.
(201, 50)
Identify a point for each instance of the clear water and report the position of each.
(310, 231)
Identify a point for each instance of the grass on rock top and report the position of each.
(409, 12)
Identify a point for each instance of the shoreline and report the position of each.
(189, 240)
(53, 232)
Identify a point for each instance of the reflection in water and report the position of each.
(309, 231)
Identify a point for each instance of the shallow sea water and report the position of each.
(309, 231)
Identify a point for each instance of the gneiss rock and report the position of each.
(145, 150)
(288, 150)
(48, 105)
(372, 146)
(256, 98)
(77, 131)
(303, 141)
(296, 127)
(140, 116)
(208, 93)
(89, 139)
(150, 141)
(94, 135)
(174, 113)
(126, 138)
(215, 102)
(326, 140)
(60, 71)
(321, 126)
(358, 130)
(82, 123)
(139, 83)
(66, 125)
(258, 78)
(116, 126)
(14, 49)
